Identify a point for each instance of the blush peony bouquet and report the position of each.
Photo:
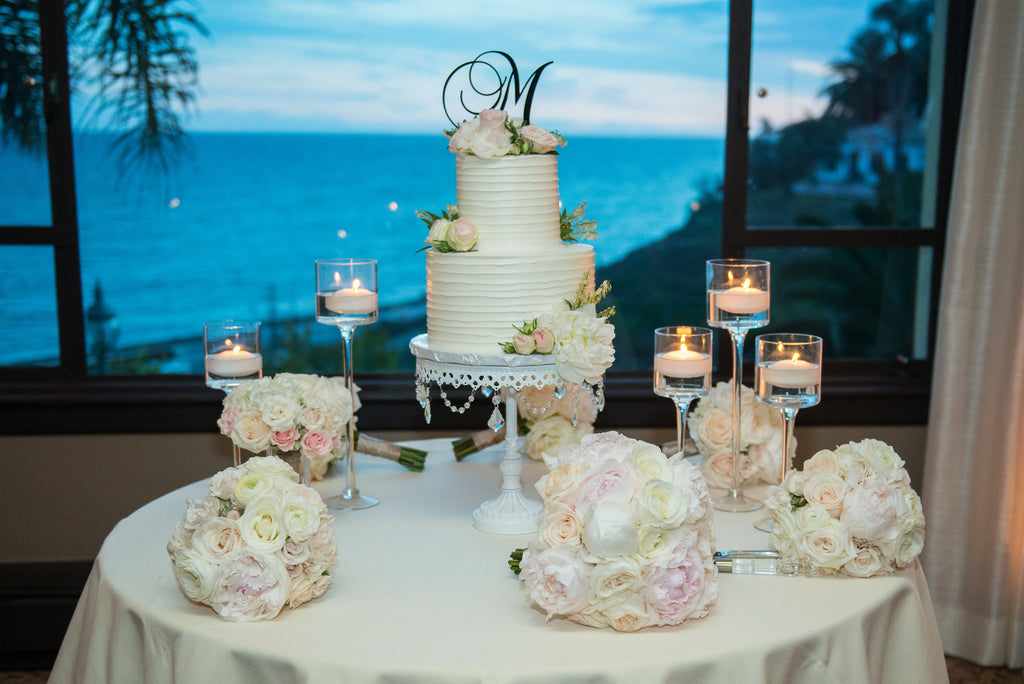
(626, 539)
(851, 511)
(493, 133)
(290, 412)
(761, 431)
(258, 542)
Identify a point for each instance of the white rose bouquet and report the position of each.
(626, 539)
(258, 542)
(290, 412)
(761, 432)
(850, 511)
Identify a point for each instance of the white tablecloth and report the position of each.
(420, 595)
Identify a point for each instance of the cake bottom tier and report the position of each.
(475, 301)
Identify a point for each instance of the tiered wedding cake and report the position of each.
(498, 259)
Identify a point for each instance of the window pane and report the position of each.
(24, 183)
(28, 298)
(320, 134)
(864, 302)
(839, 117)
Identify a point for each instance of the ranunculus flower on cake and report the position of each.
(761, 428)
(290, 412)
(258, 542)
(851, 510)
(627, 537)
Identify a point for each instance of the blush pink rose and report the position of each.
(317, 442)
(541, 141)
(227, 420)
(545, 342)
(285, 439)
(462, 235)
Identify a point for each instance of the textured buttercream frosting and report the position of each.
(475, 300)
(520, 269)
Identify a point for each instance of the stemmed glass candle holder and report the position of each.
(233, 356)
(682, 369)
(787, 376)
(346, 296)
(738, 300)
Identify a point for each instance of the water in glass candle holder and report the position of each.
(335, 309)
(228, 382)
(669, 386)
(787, 395)
(737, 310)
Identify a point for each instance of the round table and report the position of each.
(420, 595)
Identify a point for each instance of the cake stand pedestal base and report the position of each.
(511, 512)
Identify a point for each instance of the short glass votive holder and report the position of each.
(233, 353)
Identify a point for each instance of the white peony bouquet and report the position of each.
(290, 412)
(626, 539)
(258, 542)
(851, 510)
(761, 432)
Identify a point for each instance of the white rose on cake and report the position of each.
(583, 344)
(485, 136)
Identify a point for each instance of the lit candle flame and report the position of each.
(746, 283)
(237, 349)
(682, 348)
(337, 278)
(796, 356)
(356, 284)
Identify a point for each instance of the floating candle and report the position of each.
(741, 299)
(793, 372)
(234, 363)
(682, 363)
(352, 300)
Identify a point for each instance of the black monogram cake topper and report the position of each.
(480, 85)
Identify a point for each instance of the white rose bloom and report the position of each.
(630, 615)
(712, 431)
(649, 462)
(561, 480)
(216, 538)
(811, 517)
(613, 581)
(662, 504)
(250, 432)
(270, 466)
(822, 462)
(261, 524)
(222, 484)
(439, 230)
(610, 530)
(908, 547)
(300, 517)
(827, 491)
(195, 576)
(549, 435)
(280, 411)
(827, 547)
(559, 527)
(583, 344)
(867, 563)
(251, 486)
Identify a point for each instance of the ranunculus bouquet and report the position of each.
(626, 539)
(290, 412)
(258, 542)
(851, 510)
(761, 432)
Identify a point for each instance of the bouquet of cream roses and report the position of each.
(761, 431)
(626, 539)
(851, 510)
(290, 412)
(257, 543)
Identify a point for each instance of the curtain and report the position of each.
(974, 467)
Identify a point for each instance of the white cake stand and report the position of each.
(504, 375)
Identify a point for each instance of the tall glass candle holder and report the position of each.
(738, 301)
(682, 369)
(233, 356)
(346, 297)
(787, 376)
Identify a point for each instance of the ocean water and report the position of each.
(234, 231)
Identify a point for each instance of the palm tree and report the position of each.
(134, 54)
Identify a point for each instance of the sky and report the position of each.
(620, 67)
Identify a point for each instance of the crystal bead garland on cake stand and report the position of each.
(499, 376)
(738, 301)
(346, 296)
(232, 357)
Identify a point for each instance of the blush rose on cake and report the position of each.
(626, 539)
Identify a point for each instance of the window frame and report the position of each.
(66, 400)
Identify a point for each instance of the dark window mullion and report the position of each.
(737, 129)
(63, 203)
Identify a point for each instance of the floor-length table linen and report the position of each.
(421, 596)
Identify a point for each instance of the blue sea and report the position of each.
(233, 232)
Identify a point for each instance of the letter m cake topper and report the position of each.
(491, 86)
